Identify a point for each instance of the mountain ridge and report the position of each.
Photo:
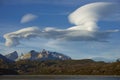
(34, 55)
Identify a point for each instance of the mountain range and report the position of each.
(44, 55)
(34, 55)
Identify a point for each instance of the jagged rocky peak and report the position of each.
(31, 55)
(49, 55)
(33, 51)
(12, 56)
(44, 51)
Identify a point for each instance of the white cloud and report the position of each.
(87, 16)
(85, 19)
(28, 17)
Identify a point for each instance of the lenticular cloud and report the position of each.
(87, 16)
(85, 20)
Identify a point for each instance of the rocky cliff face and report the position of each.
(12, 56)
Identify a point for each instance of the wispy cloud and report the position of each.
(28, 17)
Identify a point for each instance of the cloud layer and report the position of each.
(85, 20)
(13, 38)
(28, 17)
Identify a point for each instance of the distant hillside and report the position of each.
(103, 59)
(66, 67)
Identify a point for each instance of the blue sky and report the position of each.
(54, 13)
